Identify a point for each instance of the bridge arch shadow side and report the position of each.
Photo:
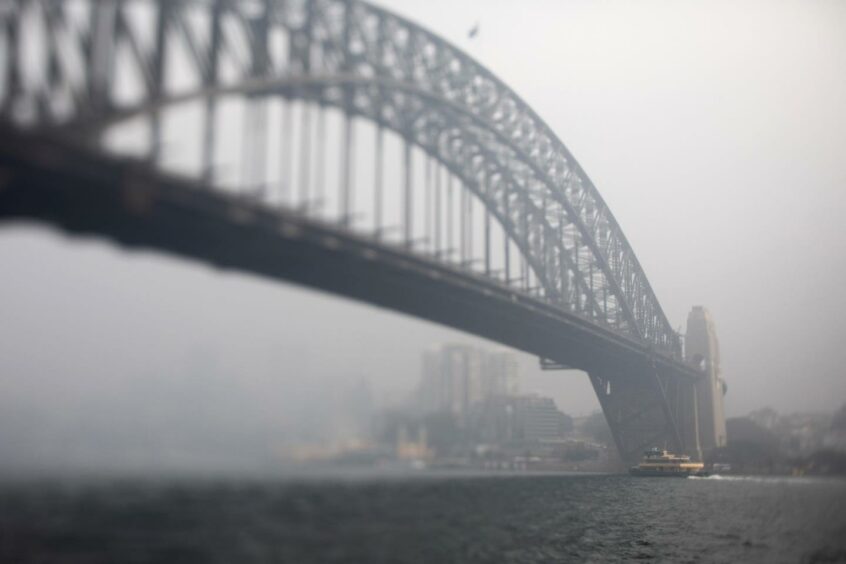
(592, 307)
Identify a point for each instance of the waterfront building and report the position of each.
(537, 418)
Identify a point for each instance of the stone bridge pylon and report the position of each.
(708, 428)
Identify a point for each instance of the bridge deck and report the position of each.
(87, 192)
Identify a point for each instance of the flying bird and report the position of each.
(474, 31)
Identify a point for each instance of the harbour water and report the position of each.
(426, 518)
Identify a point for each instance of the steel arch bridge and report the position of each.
(335, 144)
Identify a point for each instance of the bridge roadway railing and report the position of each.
(290, 92)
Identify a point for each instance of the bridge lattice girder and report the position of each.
(370, 63)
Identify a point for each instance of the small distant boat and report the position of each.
(659, 462)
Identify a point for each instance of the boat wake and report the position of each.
(760, 479)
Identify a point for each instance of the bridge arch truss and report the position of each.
(105, 62)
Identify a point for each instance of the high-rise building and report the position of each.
(451, 379)
(456, 377)
(501, 374)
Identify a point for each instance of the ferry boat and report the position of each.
(658, 462)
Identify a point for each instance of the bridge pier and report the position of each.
(703, 351)
(641, 407)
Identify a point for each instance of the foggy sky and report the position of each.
(715, 131)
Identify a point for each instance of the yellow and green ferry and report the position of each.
(659, 462)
